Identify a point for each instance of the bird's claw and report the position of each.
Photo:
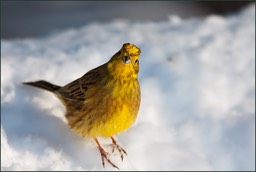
(119, 148)
(104, 156)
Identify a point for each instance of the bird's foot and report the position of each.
(114, 146)
(104, 155)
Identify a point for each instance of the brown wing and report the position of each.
(76, 90)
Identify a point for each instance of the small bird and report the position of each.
(104, 101)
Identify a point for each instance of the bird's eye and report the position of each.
(126, 59)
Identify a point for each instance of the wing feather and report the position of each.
(76, 90)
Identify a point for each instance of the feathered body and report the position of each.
(105, 101)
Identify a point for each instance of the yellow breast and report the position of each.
(122, 112)
(114, 113)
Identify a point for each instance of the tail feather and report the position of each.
(44, 85)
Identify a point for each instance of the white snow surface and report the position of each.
(197, 80)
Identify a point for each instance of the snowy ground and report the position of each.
(198, 95)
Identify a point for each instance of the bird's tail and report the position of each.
(44, 85)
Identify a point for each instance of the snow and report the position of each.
(197, 79)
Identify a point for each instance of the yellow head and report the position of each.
(125, 63)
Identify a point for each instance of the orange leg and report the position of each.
(103, 154)
(119, 148)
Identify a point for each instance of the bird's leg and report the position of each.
(104, 154)
(119, 148)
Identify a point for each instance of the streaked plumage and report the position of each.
(105, 101)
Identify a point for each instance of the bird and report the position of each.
(103, 102)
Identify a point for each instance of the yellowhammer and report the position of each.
(105, 101)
